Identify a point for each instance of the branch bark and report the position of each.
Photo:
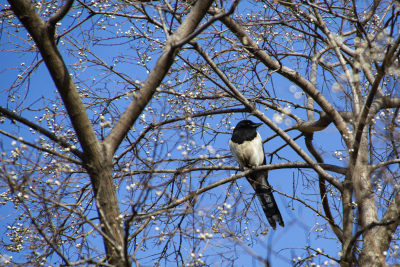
(265, 119)
(286, 72)
(143, 97)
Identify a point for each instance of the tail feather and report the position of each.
(269, 206)
(264, 193)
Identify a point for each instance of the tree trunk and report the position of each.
(100, 170)
(371, 254)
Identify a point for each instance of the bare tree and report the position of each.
(130, 149)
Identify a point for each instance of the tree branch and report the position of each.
(322, 189)
(392, 222)
(58, 70)
(142, 98)
(52, 152)
(238, 95)
(269, 167)
(362, 121)
(14, 116)
(286, 72)
(59, 15)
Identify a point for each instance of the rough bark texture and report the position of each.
(366, 204)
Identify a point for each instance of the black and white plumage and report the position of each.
(247, 148)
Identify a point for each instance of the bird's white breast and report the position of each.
(249, 153)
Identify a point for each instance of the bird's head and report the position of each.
(247, 124)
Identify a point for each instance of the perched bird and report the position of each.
(247, 148)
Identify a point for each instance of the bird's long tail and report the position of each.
(266, 198)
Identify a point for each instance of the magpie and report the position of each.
(247, 148)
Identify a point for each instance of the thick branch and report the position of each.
(314, 126)
(386, 227)
(288, 73)
(384, 163)
(59, 15)
(58, 70)
(143, 97)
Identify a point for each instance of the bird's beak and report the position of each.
(257, 125)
